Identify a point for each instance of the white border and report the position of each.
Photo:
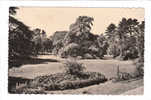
(4, 46)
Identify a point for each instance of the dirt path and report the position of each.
(136, 91)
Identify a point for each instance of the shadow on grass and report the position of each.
(24, 61)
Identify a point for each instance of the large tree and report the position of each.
(20, 44)
(79, 31)
(110, 31)
(79, 41)
(140, 39)
(126, 39)
(79, 34)
(111, 38)
(123, 40)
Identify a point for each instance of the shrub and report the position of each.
(71, 49)
(121, 76)
(27, 90)
(73, 67)
(79, 57)
(93, 49)
(113, 50)
(140, 66)
(22, 88)
(88, 56)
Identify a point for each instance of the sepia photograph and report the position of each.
(76, 50)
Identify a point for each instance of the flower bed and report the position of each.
(61, 81)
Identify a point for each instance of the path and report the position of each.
(108, 88)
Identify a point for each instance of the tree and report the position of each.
(111, 38)
(40, 41)
(79, 33)
(140, 47)
(110, 31)
(125, 33)
(20, 44)
(140, 39)
(47, 45)
(58, 35)
(12, 10)
(57, 39)
(79, 41)
(79, 30)
(103, 45)
(123, 39)
(71, 50)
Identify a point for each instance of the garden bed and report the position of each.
(61, 81)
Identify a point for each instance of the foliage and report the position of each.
(124, 39)
(103, 45)
(122, 75)
(12, 10)
(57, 36)
(63, 81)
(88, 56)
(140, 47)
(73, 67)
(20, 44)
(47, 44)
(140, 66)
(58, 45)
(79, 30)
(42, 44)
(57, 39)
(79, 40)
(125, 76)
(73, 78)
(110, 32)
(71, 49)
(28, 90)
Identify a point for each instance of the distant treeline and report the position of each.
(124, 41)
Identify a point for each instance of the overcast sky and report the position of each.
(59, 19)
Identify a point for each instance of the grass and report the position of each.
(107, 67)
(74, 77)
(25, 61)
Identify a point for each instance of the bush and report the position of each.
(57, 46)
(79, 57)
(28, 90)
(88, 56)
(71, 49)
(73, 67)
(121, 76)
(140, 66)
(24, 88)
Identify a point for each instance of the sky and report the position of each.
(59, 19)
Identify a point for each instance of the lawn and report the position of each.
(107, 66)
